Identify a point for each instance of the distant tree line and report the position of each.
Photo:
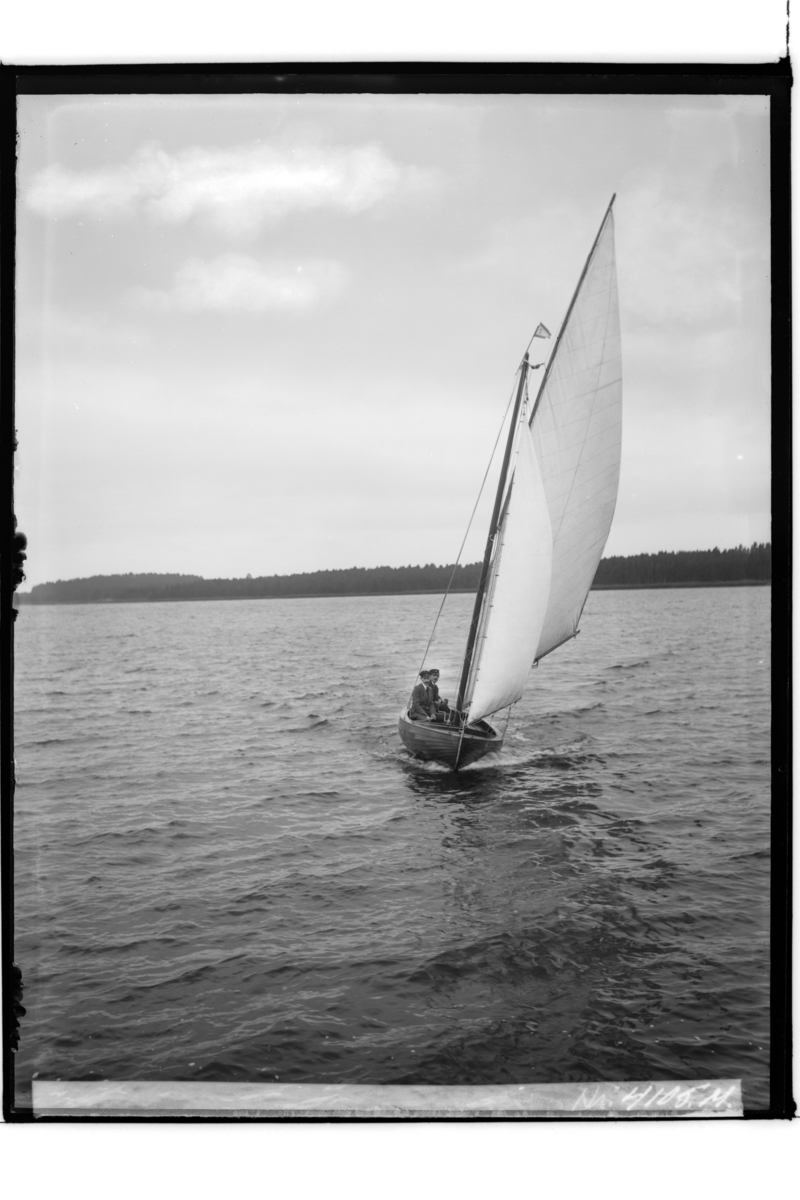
(744, 564)
(353, 581)
(96, 588)
(678, 568)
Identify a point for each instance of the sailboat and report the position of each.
(552, 513)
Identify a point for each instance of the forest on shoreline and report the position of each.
(681, 568)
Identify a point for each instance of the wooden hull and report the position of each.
(440, 743)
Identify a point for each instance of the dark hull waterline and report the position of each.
(445, 744)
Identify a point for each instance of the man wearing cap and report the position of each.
(420, 708)
(440, 709)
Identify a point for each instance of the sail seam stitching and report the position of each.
(583, 443)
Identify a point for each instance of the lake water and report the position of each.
(228, 868)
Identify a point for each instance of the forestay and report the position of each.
(577, 431)
(516, 598)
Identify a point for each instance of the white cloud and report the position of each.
(238, 283)
(234, 191)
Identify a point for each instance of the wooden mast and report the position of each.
(493, 528)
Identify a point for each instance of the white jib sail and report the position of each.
(516, 599)
(577, 431)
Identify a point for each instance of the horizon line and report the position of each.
(381, 567)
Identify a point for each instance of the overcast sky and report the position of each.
(274, 334)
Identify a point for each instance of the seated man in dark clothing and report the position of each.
(440, 709)
(420, 708)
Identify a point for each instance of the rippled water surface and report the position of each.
(228, 868)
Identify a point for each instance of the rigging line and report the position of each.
(488, 601)
(469, 525)
(568, 314)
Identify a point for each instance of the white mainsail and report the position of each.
(517, 595)
(577, 431)
(549, 525)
